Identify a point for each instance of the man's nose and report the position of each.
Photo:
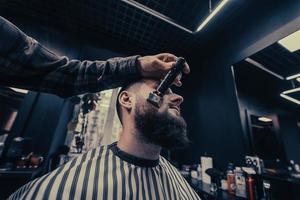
(176, 99)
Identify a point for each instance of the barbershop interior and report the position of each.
(238, 105)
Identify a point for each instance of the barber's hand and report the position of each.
(157, 66)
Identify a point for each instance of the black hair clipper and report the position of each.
(156, 96)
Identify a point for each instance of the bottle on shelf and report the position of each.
(230, 178)
(240, 183)
(199, 170)
(250, 184)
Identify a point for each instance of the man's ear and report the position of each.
(126, 100)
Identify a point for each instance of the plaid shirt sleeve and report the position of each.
(26, 64)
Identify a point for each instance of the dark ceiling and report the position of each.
(119, 25)
(275, 58)
(186, 13)
(253, 81)
(116, 23)
(279, 60)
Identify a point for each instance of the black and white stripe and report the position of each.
(103, 174)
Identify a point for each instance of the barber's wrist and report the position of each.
(147, 66)
(129, 67)
(139, 65)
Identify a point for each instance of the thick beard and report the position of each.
(161, 128)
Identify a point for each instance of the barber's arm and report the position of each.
(25, 63)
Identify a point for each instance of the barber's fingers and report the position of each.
(157, 66)
(177, 80)
(165, 66)
(186, 68)
(167, 57)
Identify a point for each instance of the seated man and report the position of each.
(131, 168)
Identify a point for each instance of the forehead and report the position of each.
(151, 83)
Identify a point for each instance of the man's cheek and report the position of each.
(163, 107)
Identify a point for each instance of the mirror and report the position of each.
(268, 92)
(264, 137)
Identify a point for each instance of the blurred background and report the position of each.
(242, 98)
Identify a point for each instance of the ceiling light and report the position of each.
(19, 90)
(284, 94)
(298, 79)
(292, 76)
(291, 91)
(156, 14)
(265, 119)
(212, 14)
(290, 98)
(291, 42)
(264, 68)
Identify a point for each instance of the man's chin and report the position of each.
(165, 129)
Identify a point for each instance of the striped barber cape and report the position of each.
(109, 173)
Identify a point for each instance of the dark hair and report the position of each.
(125, 86)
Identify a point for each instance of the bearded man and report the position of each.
(131, 168)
